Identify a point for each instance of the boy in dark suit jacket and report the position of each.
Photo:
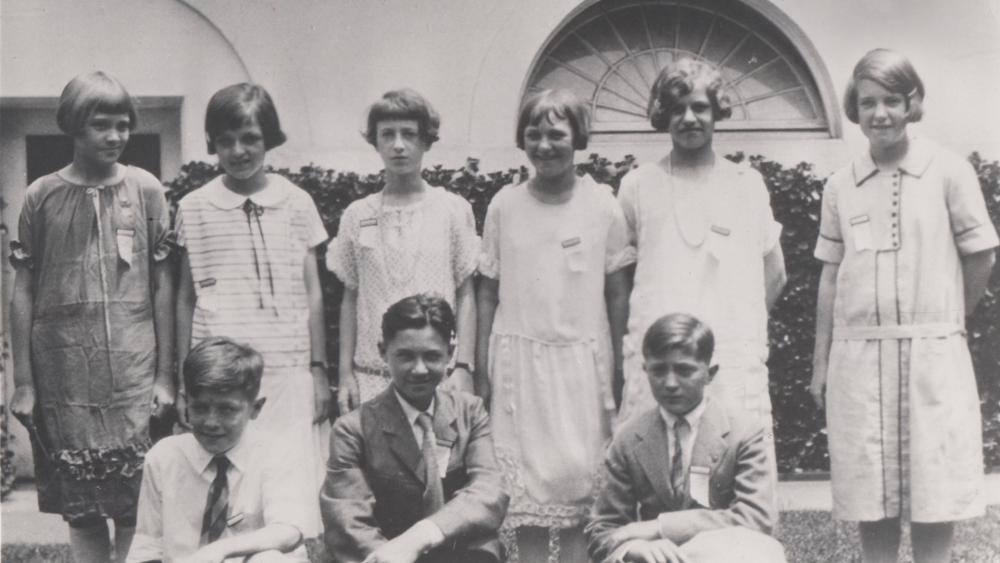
(412, 474)
(685, 481)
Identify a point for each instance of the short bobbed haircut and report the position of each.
(894, 72)
(553, 105)
(241, 104)
(221, 365)
(419, 311)
(679, 331)
(679, 79)
(89, 93)
(404, 103)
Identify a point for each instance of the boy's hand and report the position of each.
(658, 551)
(322, 396)
(397, 550)
(348, 396)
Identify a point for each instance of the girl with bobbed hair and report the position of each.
(707, 243)
(405, 239)
(907, 248)
(552, 308)
(92, 317)
(249, 272)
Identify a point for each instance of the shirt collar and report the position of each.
(239, 455)
(410, 411)
(693, 417)
(271, 196)
(915, 163)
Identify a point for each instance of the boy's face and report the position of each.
(417, 359)
(218, 418)
(678, 380)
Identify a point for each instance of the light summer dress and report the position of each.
(550, 348)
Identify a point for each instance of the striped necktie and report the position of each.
(677, 476)
(217, 505)
(434, 494)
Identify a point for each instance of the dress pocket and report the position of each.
(720, 242)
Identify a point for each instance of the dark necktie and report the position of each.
(217, 505)
(677, 477)
(434, 494)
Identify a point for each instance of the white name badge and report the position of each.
(699, 484)
(861, 228)
(368, 232)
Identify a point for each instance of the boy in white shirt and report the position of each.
(222, 491)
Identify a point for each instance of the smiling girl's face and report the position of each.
(102, 139)
(549, 146)
(882, 114)
(241, 151)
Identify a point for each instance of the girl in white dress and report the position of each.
(552, 309)
(407, 238)
(907, 248)
(250, 273)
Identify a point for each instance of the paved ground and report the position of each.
(22, 523)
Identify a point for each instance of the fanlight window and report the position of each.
(611, 53)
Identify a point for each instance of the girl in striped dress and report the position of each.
(249, 272)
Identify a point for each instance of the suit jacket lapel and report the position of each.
(710, 443)
(445, 419)
(399, 435)
(653, 456)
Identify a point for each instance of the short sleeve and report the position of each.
(830, 244)
(22, 250)
(147, 544)
(618, 252)
(628, 199)
(315, 234)
(489, 256)
(464, 241)
(180, 238)
(770, 229)
(970, 220)
(161, 238)
(340, 256)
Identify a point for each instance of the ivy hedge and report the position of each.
(795, 197)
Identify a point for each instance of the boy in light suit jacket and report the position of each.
(685, 481)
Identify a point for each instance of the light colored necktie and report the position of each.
(677, 476)
(434, 493)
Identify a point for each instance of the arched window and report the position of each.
(611, 52)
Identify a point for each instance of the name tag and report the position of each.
(861, 229)
(369, 228)
(207, 282)
(699, 485)
(571, 242)
(234, 519)
(720, 230)
(125, 238)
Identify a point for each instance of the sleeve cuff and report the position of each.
(976, 239)
(626, 257)
(429, 532)
(488, 266)
(829, 250)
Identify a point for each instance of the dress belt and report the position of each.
(896, 332)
